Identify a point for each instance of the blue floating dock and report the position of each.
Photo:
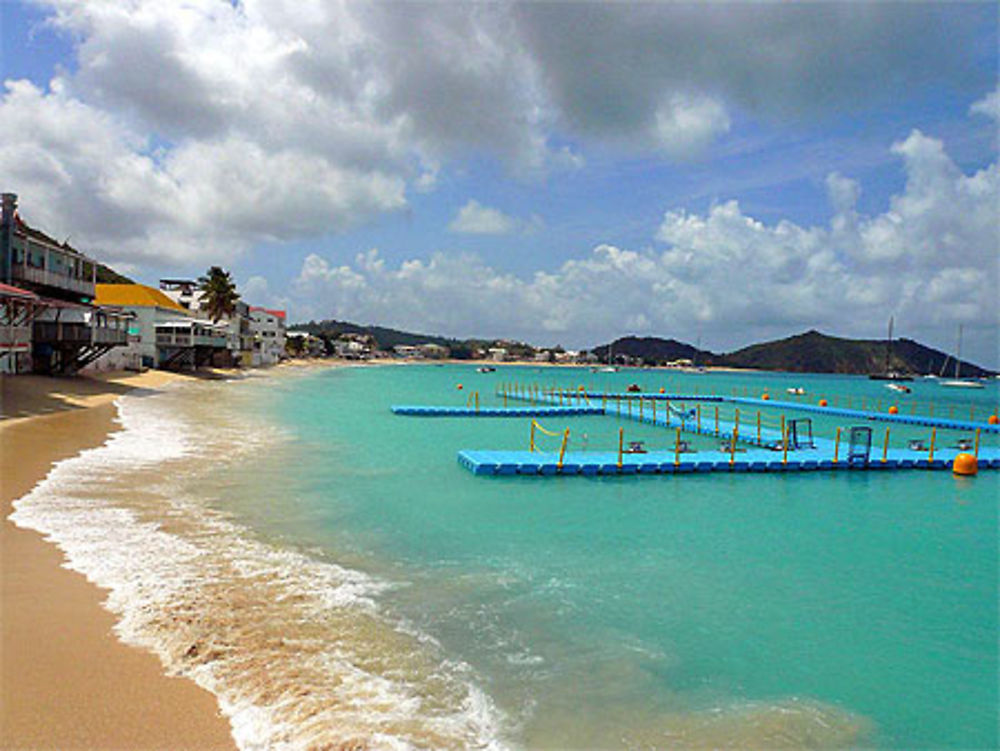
(546, 464)
(542, 410)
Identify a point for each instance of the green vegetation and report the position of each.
(218, 292)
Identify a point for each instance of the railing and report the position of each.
(13, 336)
(55, 332)
(185, 339)
(52, 279)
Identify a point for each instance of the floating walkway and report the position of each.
(544, 410)
(750, 446)
(666, 462)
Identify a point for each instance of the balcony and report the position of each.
(56, 332)
(44, 277)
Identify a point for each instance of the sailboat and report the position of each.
(889, 375)
(958, 382)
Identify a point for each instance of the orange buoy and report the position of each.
(893, 410)
(823, 402)
(662, 390)
(965, 464)
(993, 420)
(765, 396)
(459, 387)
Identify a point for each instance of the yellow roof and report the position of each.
(138, 295)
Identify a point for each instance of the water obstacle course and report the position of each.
(752, 438)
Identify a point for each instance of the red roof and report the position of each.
(276, 313)
(7, 290)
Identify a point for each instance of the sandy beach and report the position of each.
(65, 679)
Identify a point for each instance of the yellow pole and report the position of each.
(668, 413)
(621, 445)
(784, 441)
(736, 421)
(930, 454)
(758, 426)
(717, 421)
(562, 451)
(976, 453)
(732, 444)
(885, 447)
(836, 446)
(532, 436)
(677, 448)
(477, 401)
(604, 404)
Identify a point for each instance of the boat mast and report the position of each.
(888, 348)
(958, 355)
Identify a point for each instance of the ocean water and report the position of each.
(332, 574)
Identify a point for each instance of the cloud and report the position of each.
(475, 219)
(196, 130)
(989, 105)
(930, 258)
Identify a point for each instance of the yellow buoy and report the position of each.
(893, 410)
(993, 420)
(965, 464)
(765, 396)
(663, 390)
(823, 402)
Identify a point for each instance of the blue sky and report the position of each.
(561, 173)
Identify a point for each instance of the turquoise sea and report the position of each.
(333, 574)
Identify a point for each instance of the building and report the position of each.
(304, 344)
(162, 333)
(239, 326)
(498, 354)
(68, 331)
(434, 351)
(18, 308)
(267, 327)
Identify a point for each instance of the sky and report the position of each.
(558, 173)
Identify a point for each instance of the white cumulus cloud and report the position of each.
(475, 219)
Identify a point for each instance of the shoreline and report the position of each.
(66, 681)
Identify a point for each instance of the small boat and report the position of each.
(486, 369)
(796, 391)
(959, 382)
(633, 388)
(889, 375)
(898, 387)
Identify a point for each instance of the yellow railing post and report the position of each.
(717, 420)
(604, 402)
(930, 453)
(667, 414)
(836, 446)
(477, 401)
(976, 453)
(736, 420)
(732, 444)
(885, 447)
(784, 441)
(532, 436)
(677, 448)
(562, 450)
(621, 445)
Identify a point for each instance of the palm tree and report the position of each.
(218, 293)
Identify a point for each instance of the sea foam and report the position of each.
(298, 650)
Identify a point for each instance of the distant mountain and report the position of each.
(811, 352)
(655, 351)
(814, 352)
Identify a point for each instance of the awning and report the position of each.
(7, 290)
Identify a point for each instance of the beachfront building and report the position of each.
(267, 327)
(18, 308)
(304, 344)
(498, 354)
(162, 333)
(239, 325)
(68, 330)
(434, 351)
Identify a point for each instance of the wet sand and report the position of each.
(65, 679)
